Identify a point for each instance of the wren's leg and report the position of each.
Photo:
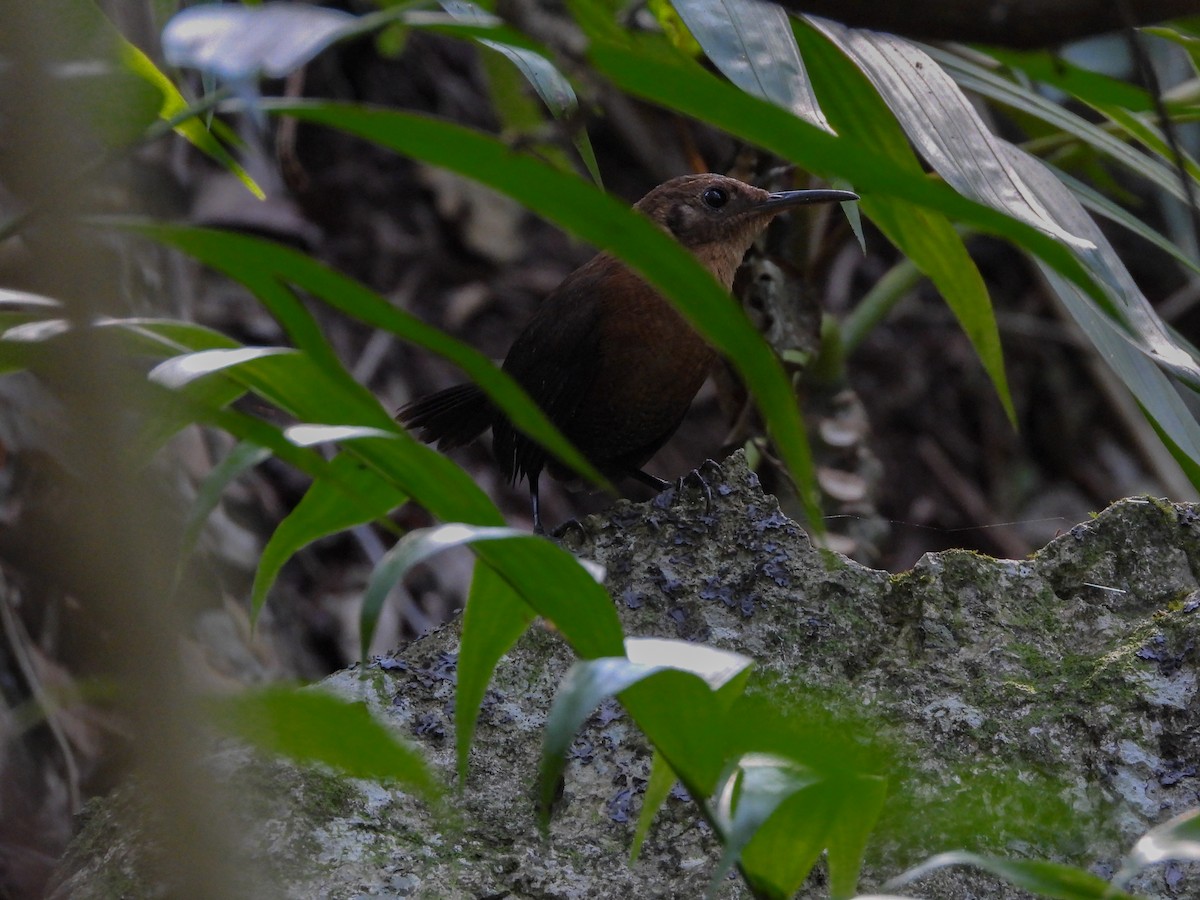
(649, 480)
(533, 502)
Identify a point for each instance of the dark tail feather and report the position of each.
(450, 418)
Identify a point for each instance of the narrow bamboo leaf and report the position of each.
(493, 620)
(36, 331)
(581, 209)
(1046, 879)
(975, 77)
(1140, 127)
(549, 580)
(1153, 390)
(174, 106)
(1098, 203)
(941, 122)
(658, 788)
(678, 714)
(258, 263)
(860, 808)
(243, 457)
(939, 119)
(326, 508)
(1176, 839)
(717, 668)
(561, 589)
(412, 468)
(1133, 310)
(751, 43)
(312, 435)
(312, 727)
(925, 237)
(411, 550)
(23, 301)
(181, 370)
(551, 85)
(932, 243)
(681, 85)
(237, 43)
(750, 793)
(1083, 84)
(668, 687)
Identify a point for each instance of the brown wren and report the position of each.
(607, 358)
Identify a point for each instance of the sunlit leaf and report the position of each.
(925, 237)
(946, 129)
(670, 691)
(239, 42)
(309, 435)
(751, 42)
(1176, 839)
(551, 85)
(181, 370)
(681, 85)
(973, 76)
(411, 550)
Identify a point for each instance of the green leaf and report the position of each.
(1102, 205)
(1046, 879)
(953, 138)
(1153, 390)
(412, 550)
(1082, 84)
(1176, 839)
(493, 620)
(669, 687)
(239, 460)
(749, 794)
(262, 265)
(551, 85)
(560, 589)
(860, 808)
(175, 108)
(924, 236)
(309, 435)
(181, 370)
(946, 129)
(658, 788)
(681, 85)
(975, 77)
(313, 727)
(751, 43)
(240, 43)
(326, 508)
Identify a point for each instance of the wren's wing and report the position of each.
(555, 360)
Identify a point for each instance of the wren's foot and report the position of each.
(560, 533)
(696, 476)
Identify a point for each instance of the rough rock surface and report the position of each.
(1043, 708)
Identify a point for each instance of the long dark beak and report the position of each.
(787, 199)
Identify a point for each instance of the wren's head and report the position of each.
(718, 218)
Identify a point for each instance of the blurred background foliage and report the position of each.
(974, 362)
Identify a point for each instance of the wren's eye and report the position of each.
(715, 197)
